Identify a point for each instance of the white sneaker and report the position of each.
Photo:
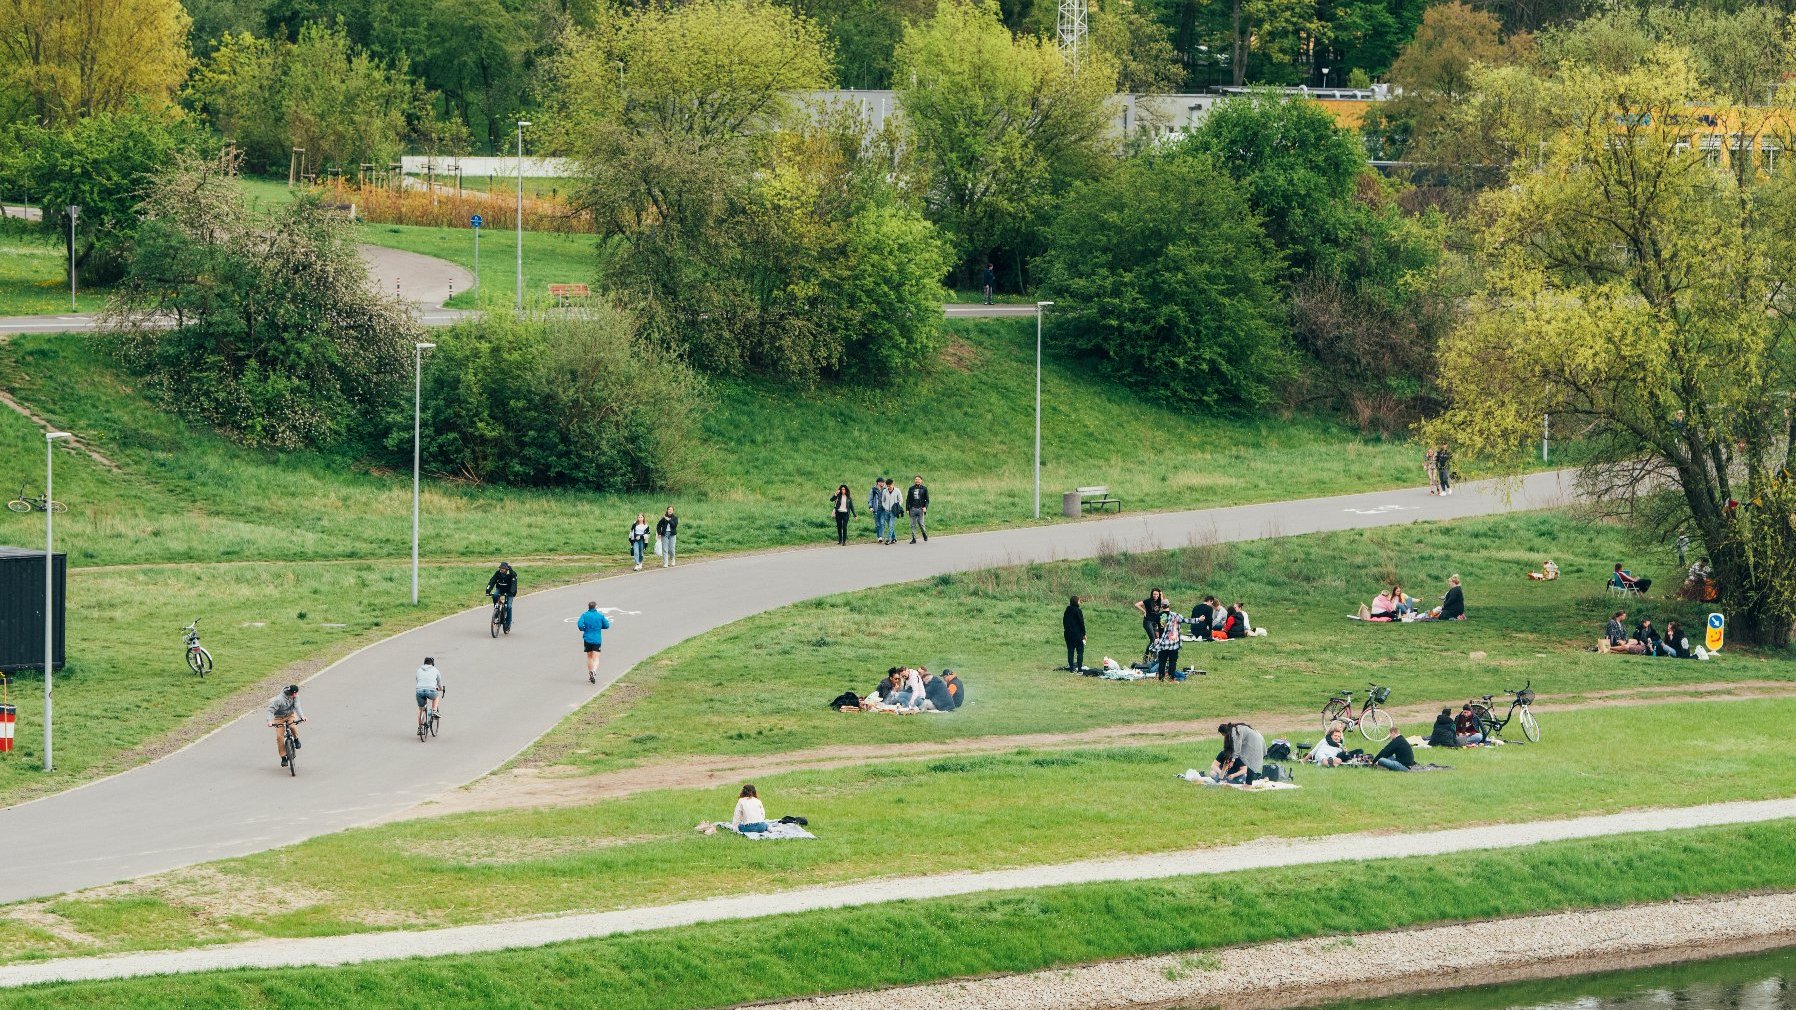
(638, 568)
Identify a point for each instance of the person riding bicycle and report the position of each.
(430, 689)
(504, 584)
(283, 712)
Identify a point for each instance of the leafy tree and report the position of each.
(1139, 45)
(278, 337)
(582, 401)
(1004, 125)
(1436, 72)
(863, 35)
(64, 59)
(1638, 294)
(1742, 55)
(1161, 275)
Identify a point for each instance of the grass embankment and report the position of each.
(1001, 629)
(912, 942)
(34, 272)
(188, 497)
(916, 818)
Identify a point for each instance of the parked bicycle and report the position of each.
(292, 738)
(1519, 711)
(198, 659)
(1374, 723)
(26, 503)
(501, 615)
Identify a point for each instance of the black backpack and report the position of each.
(1275, 773)
(846, 698)
(1278, 750)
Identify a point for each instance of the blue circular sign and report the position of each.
(1714, 620)
(475, 221)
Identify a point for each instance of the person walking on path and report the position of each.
(991, 282)
(876, 506)
(916, 502)
(592, 625)
(639, 538)
(667, 528)
(842, 504)
(894, 504)
(1443, 462)
(1431, 465)
(1072, 627)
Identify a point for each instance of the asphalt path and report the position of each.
(226, 795)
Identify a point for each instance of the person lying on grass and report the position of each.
(1397, 755)
(1331, 752)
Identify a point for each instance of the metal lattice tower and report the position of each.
(1072, 30)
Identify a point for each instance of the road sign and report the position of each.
(1717, 624)
(476, 221)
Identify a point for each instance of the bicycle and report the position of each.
(501, 615)
(427, 727)
(198, 659)
(1374, 723)
(291, 737)
(25, 503)
(1519, 711)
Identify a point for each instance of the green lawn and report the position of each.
(549, 258)
(724, 964)
(34, 273)
(1001, 629)
(969, 813)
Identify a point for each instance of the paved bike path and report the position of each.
(225, 795)
(537, 932)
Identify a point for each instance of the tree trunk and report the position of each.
(1238, 45)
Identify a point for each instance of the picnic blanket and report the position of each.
(777, 832)
(1262, 786)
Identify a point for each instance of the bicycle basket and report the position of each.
(1380, 695)
(1525, 698)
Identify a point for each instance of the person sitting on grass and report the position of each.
(1332, 750)
(1204, 617)
(1406, 604)
(1452, 606)
(1647, 637)
(1548, 572)
(1397, 755)
(936, 696)
(1623, 579)
(1444, 733)
(957, 689)
(750, 816)
(1675, 644)
(1384, 606)
(1466, 728)
(1615, 636)
(1248, 750)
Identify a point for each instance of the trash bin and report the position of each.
(1069, 504)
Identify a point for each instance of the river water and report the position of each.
(1753, 982)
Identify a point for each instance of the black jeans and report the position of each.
(842, 528)
(1169, 662)
(1075, 654)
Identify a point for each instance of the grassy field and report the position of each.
(549, 258)
(1001, 630)
(316, 524)
(903, 818)
(34, 273)
(912, 942)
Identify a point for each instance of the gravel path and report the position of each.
(337, 950)
(1299, 972)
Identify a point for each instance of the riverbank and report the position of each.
(1297, 973)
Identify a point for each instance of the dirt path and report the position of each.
(1371, 966)
(1264, 853)
(525, 788)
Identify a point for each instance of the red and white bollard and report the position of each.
(8, 719)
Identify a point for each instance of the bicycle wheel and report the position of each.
(292, 755)
(59, 507)
(1333, 712)
(19, 505)
(1530, 728)
(1487, 723)
(199, 660)
(434, 721)
(421, 730)
(495, 624)
(1376, 724)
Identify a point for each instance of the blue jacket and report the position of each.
(592, 625)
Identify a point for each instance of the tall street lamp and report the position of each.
(418, 350)
(50, 439)
(1038, 307)
(521, 124)
(74, 212)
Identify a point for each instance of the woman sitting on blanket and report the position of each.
(1384, 606)
(750, 816)
(1332, 750)
(1444, 734)
(1452, 606)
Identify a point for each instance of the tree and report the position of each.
(64, 59)
(277, 338)
(1437, 71)
(863, 35)
(1162, 276)
(1638, 294)
(1742, 55)
(1139, 45)
(1004, 126)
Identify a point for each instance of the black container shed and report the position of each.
(22, 609)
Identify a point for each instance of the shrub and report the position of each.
(579, 400)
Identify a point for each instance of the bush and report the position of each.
(562, 401)
(1161, 273)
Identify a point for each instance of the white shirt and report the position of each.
(429, 678)
(749, 811)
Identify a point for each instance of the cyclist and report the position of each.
(430, 689)
(285, 711)
(504, 583)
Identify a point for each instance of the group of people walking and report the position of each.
(666, 531)
(886, 502)
(1438, 462)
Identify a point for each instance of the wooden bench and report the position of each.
(562, 293)
(1098, 497)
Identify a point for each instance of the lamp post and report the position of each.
(521, 124)
(50, 439)
(74, 212)
(418, 350)
(1038, 307)
(1324, 78)
(1546, 427)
